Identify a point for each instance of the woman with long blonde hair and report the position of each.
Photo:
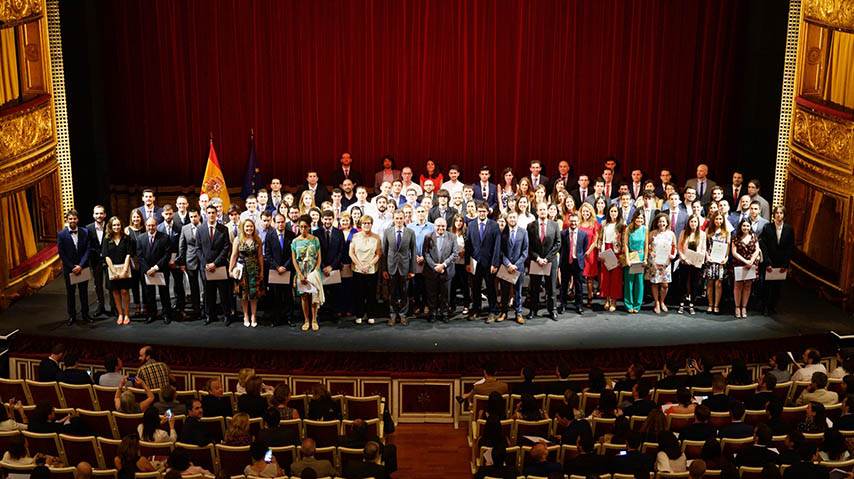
(525, 189)
(247, 269)
(306, 202)
(587, 222)
(237, 433)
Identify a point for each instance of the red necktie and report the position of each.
(571, 246)
(212, 231)
(673, 221)
(608, 190)
(542, 231)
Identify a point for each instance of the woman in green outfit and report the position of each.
(305, 251)
(634, 246)
(248, 284)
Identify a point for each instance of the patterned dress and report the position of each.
(660, 273)
(715, 270)
(745, 250)
(251, 284)
(306, 253)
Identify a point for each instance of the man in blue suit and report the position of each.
(172, 231)
(573, 244)
(514, 252)
(486, 191)
(277, 256)
(483, 244)
(627, 208)
(213, 251)
(153, 252)
(678, 214)
(72, 244)
(149, 209)
(331, 253)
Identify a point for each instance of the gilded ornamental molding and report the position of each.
(27, 172)
(831, 13)
(825, 136)
(823, 178)
(25, 131)
(13, 11)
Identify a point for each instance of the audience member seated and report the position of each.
(194, 431)
(817, 391)
(764, 394)
(322, 467)
(487, 385)
(84, 470)
(684, 402)
(322, 407)
(780, 367)
(492, 435)
(167, 396)
(596, 381)
(587, 461)
(49, 366)
(633, 458)
(73, 374)
(273, 434)
(655, 422)
(7, 422)
(17, 454)
(701, 429)
(738, 374)
(642, 405)
(562, 372)
(633, 375)
(712, 454)
(816, 419)
(806, 467)
(697, 469)
(758, 454)
(260, 468)
(699, 372)
(618, 436)
(812, 364)
(128, 461)
(214, 403)
(237, 433)
(671, 380)
(736, 429)
(527, 385)
(358, 437)
(670, 457)
(125, 401)
(40, 472)
(152, 372)
(845, 363)
(833, 447)
(607, 407)
(774, 410)
(569, 409)
(44, 420)
(179, 461)
(495, 407)
(528, 409)
(368, 466)
(844, 423)
(541, 466)
(497, 467)
(792, 444)
(281, 396)
(718, 401)
(150, 429)
(252, 403)
(113, 377)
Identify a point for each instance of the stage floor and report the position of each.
(801, 313)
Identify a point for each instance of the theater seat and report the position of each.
(233, 459)
(79, 449)
(324, 433)
(202, 456)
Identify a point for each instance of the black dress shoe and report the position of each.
(100, 312)
(70, 321)
(227, 321)
(207, 320)
(579, 310)
(531, 314)
(167, 318)
(149, 319)
(552, 315)
(560, 309)
(87, 318)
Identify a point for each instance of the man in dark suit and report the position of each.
(611, 185)
(213, 252)
(483, 244)
(368, 466)
(149, 209)
(737, 429)
(641, 406)
(587, 462)
(214, 403)
(702, 184)
(73, 248)
(97, 231)
(442, 209)
(573, 244)
(49, 366)
(273, 434)
(182, 211)
(514, 252)
(701, 429)
(661, 189)
(564, 173)
(598, 192)
(846, 420)
(194, 431)
(778, 243)
(153, 252)
(677, 213)
(72, 374)
(398, 266)
(440, 256)
(758, 454)
(633, 458)
(581, 193)
(332, 251)
(277, 256)
(718, 401)
(540, 465)
(626, 208)
(764, 395)
(313, 184)
(736, 190)
(536, 177)
(486, 191)
(188, 259)
(544, 243)
(671, 380)
(649, 209)
(172, 231)
(346, 171)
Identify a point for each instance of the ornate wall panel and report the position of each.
(24, 132)
(16, 11)
(833, 13)
(830, 138)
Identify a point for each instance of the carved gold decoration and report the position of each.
(26, 131)
(831, 138)
(27, 172)
(16, 10)
(832, 13)
(823, 178)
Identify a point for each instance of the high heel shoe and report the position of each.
(681, 308)
(314, 326)
(246, 321)
(305, 326)
(254, 323)
(743, 313)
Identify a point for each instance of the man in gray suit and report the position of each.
(188, 258)
(544, 244)
(398, 266)
(702, 184)
(440, 256)
(514, 252)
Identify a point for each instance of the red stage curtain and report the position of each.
(652, 82)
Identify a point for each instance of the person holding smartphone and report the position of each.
(263, 462)
(7, 421)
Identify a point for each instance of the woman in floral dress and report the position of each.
(249, 283)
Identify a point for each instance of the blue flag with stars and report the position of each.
(252, 182)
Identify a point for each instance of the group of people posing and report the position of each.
(427, 246)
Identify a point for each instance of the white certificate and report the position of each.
(273, 277)
(636, 268)
(237, 272)
(156, 279)
(775, 275)
(694, 258)
(121, 273)
(306, 288)
(346, 270)
(473, 265)
(84, 275)
(662, 253)
(718, 253)
(538, 270)
(219, 274)
(333, 278)
(506, 275)
(743, 274)
(609, 259)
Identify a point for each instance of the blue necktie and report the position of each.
(512, 237)
(481, 231)
(398, 238)
(281, 241)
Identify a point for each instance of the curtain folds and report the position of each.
(9, 87)
(18, 236)
(472, 82)
(839, 83)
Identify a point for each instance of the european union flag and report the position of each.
(252, 181)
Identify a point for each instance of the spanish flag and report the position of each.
(214, 182)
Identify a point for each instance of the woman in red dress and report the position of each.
(611, 281)
(590, 226)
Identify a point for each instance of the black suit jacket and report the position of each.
(359, 470)
(776, 254)
(157, 254)
(641, 407)
(626, 464)
(576, 195)
(173, 237)
(216, 252)
(758, 401)
(718, 403)
(195, 433)
(736, 430)
(338, 176)
(74, 376)
(756, 456)
(321, 194)
(547, 249)
(845, 422)
(333, 251)
(698, 431)
(214, 406)
(95, 245)
(274, 254)
(278, 437)
(589, 463)
(671, 382)
(48, 370)
(434, 214)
